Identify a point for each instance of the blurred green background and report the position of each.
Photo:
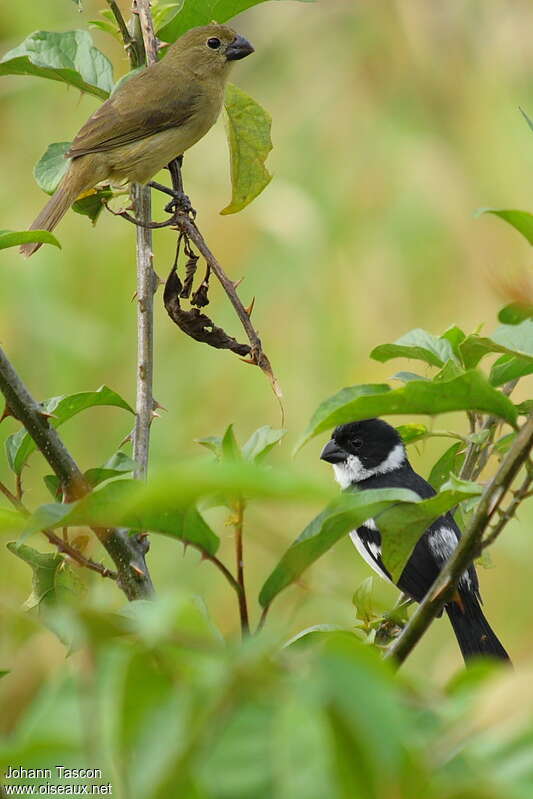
(392, 123)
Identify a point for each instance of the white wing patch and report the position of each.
(363, 550)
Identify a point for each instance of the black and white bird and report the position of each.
(370, 454)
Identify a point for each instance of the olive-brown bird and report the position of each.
(152, 118)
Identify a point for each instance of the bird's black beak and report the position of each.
(332, 453)
(238, 48)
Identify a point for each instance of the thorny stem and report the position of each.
(128, 552)
(468, 549)
(239, 557)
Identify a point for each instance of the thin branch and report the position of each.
(239, 557)
(128, 552)
(504, 516)
(142, 39)
(467, 550)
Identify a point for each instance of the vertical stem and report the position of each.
(143, 33)
(239, 556)
(146, 285)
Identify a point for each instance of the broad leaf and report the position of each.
(52, 580)
(68, 57)
(248, 132)
(509, 367)
(514, 339)
(118, 465)
(401, 526)
(120, 504)
(13, 238)
(50, 170)
(450, 461)
(454, 335)
(408, 377)
(344, 514)
(230, 447)
(261, 442)
(515, 312)
(202, 12)
(417, 344)
(470, 391)
(522, 221)
(20, 446)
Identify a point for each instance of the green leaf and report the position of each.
(50, 170)
(118, 465)
(509, 367)
(212, 443)
(20, 446)
(450, 461)
(509, 339)
(449, 371)
(202, 12)
(520, 220)
(230, 447)
(417, 344)
(261, 442)
(343, 515)
(515, 312)
(52, 579)
(454, 335)
(164, 13)
(248, 132)
(470, 391)
(68, 57)
(402, 525)
(120, 504)
(12, 238)
(410, 433)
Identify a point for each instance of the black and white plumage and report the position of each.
(370, 454)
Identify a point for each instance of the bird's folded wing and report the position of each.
(144, 109)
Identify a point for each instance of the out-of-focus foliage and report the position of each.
(165, 709)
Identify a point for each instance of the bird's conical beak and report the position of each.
(238, 48)
(332, 453)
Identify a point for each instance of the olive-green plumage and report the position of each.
(152, 118)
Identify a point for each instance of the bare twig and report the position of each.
(128, 552)
(504, 516)
(239, 558)
(468, 549)
(131, 46)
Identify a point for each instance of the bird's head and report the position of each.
(359, 450)
(211, 49)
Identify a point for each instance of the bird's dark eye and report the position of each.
(213, 43)
(357, 443)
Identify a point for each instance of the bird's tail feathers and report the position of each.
(474, 634)
(77, 180)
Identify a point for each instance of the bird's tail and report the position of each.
(472, 630)
(78, 179)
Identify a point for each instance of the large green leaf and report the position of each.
(509, 367)
(470, 391)
(68, 57)
(401, 526)
(261, 442)
(344, 514)
(121, 504)
(515, 339)
(13, 238)
(50, 170)
(20, 446)
(417, 344)
(522, 221)
(202, 12)
(248, 132)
